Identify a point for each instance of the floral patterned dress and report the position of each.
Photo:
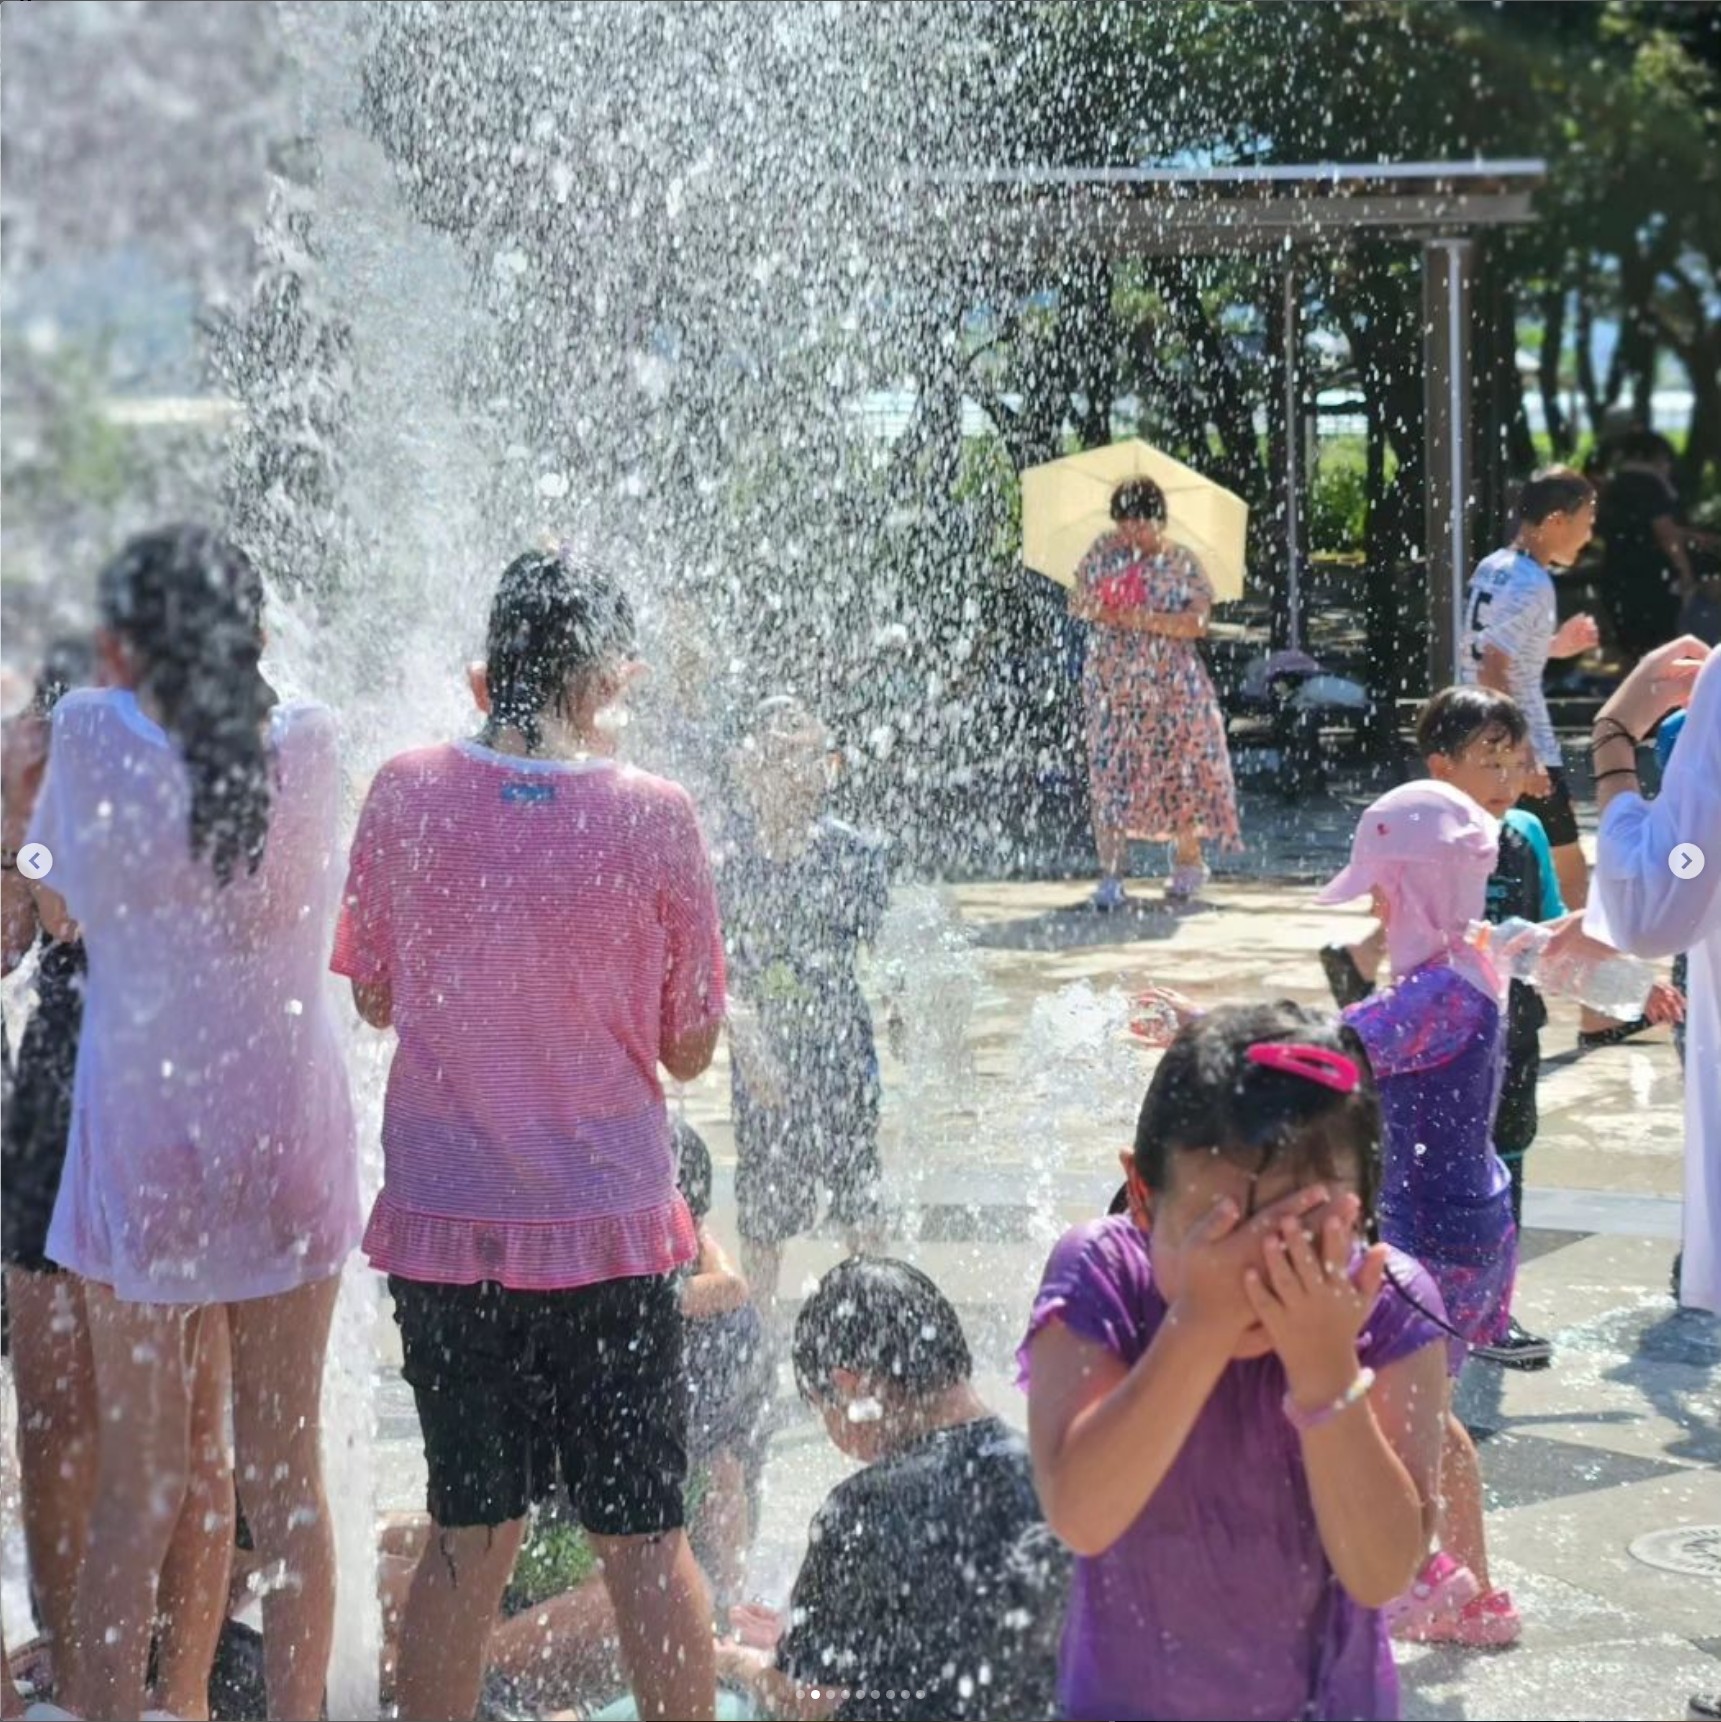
(1158, 765)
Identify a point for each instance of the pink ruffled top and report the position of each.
(545, 928)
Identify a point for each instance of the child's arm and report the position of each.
(23, 758)
(694, 999)
(1104, 1434)
(1373, 1464)
(31, 814)
(364, 940)
(714, 1287)
(689, 1056)
(777, 1693)
(1374, 1476)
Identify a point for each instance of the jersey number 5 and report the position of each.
(1480, 599)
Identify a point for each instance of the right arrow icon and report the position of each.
(1685, 860)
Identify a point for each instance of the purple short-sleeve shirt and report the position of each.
(1219, 1599)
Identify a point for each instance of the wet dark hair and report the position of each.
(1553, 490)
(1207, 1097)
(1138, 499)
(885, 1320)
(190, 606)
(556, 619)
(69, 662)
(1455, 717)
(692, 1168)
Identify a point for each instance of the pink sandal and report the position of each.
(1490, 1622)
(1439, 1595)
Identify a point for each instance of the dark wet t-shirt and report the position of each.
(794, 930)
(932, 1588)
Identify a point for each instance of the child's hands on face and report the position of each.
(1204, 1270)
(1312, 1302)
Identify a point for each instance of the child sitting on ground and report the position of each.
(1233, 1416)
(729, 1376)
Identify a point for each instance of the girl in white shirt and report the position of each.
(212, 1166)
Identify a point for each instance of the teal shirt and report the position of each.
(1531, 829)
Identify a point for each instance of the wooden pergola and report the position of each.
(1445, 209)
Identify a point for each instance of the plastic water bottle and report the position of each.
(1615, 986)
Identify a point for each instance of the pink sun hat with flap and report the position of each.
(1413, 825)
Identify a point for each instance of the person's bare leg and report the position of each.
(722, 1527)
(663, 1616)
(450, 1611)
(143, 1375)
(279, 1344)
(1573, 873)
(54, 1375)
(566, 1646)
(1112, 848)
(1461, 1532)
(192, 1600)
(1186, 850)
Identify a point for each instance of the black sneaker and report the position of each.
(1704, 1706)
(1518, 1350)
(1343, 976)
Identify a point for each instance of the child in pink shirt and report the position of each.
(539, 925)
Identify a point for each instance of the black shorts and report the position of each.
(1554, 809)
(511, 1385)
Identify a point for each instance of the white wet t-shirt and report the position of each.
(212, 1155)
(1657, 891)
(1510, 606)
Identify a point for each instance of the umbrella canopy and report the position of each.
(1066, 505)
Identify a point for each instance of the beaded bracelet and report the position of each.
(1303, 1421)
(1620, 733)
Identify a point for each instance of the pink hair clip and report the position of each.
(1313, 1063)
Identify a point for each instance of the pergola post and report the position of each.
(1292, 335)
(1448, 285)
